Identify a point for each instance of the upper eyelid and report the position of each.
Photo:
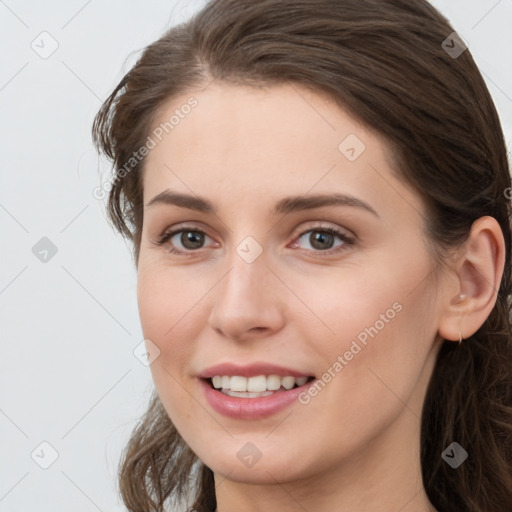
(170, 233)
(192, 227)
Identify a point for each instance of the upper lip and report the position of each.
(250, 370)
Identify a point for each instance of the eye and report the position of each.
(192, 239)
(322, 238)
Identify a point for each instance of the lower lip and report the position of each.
(250, 408)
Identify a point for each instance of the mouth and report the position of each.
(254, 390)
(257, 386)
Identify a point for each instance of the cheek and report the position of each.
(379, 318)
(374, 364)
(343, 304)
(166, 297)
(166, 311)
(163, 307)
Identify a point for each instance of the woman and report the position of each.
(318, 199)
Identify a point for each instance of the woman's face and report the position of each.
(259, 286)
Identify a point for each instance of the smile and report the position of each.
(254, 387)
(250, 405)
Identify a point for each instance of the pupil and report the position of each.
(320, 237)
(192, 236)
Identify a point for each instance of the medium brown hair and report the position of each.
(384, 62)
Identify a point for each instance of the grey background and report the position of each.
(68, 374)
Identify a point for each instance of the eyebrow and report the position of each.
(283, 206)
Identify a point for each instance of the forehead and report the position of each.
(227, 118)
(266, 142)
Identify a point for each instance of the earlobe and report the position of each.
(478, 276)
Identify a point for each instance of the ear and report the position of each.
(478, 271)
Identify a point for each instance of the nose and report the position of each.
(248, 302)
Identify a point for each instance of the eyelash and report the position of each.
(347, 241)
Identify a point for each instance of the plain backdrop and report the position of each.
(71, 387)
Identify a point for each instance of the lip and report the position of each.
(250, 408)
(250, 370)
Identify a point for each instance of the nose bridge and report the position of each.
(247, 257)
(248, 277)
(246, 297)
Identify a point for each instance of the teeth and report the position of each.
(255, 386)
(246, 395)
(238, 383)
(301, 381)
(273, 382)
(288, 382)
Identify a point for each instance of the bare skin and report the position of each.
(354, 446)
